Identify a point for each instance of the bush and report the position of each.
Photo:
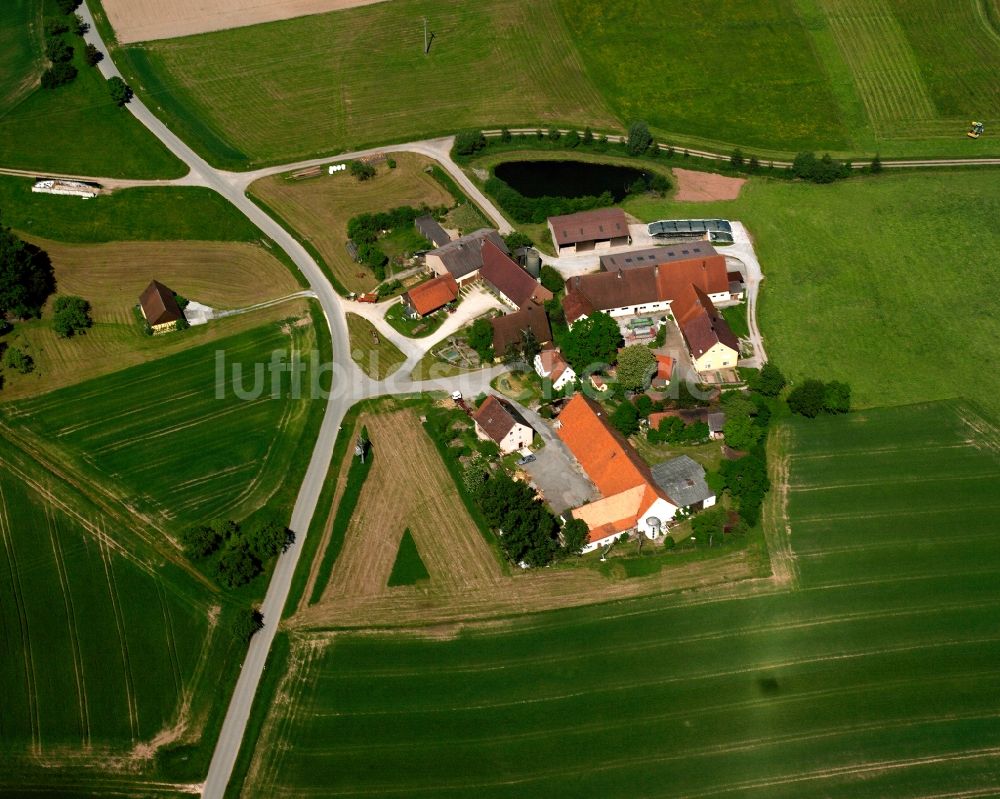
(639, 138)
(469, 142)
(119, 90)
(246, 624)
(58, 75)
(625, 418)
(819, 170)
(201, 541)
(769, 381)
(361, 170)
(552, 279)
(55, 26)
(71, 315)
(236, 566)
(808, 398)
(390, 162)
(93, 56)
(67, 6)
(517, 240)
(18, 360)
(554, 134)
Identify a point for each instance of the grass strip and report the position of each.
(409, 567)
(356, 477)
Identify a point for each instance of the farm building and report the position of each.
(589, 230)
(510, 330)
(684, 481)
(430, 295)
(711, 343)
(645, 289)
(737, 286)
(500, 422)
(159, 307)
(463, 258)
(550, 365)
(612, 262)
(631, 498)
(515, 286)
(428, 227)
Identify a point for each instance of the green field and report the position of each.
(409, 568)
(360, 77)
(75, 128)
(160, 439)
(110, 650)
(885, 283)
(901, 77)
(166, 213)
(872, 674)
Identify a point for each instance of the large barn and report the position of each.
(589, 230)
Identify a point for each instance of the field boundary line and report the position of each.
(78, 667)
(30, 678)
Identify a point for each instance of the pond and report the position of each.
(568, 178)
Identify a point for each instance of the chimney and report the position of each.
(577, 282)
(619, 273)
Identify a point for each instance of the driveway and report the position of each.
(555, 471)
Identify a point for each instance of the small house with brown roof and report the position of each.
(430, 295)
(631, 499)
(500, 422)
(589, 230)
(159, 307)
(512, 329)
(512, 283)
(463, 257)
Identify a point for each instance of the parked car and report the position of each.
(526, 459)
(456, 395)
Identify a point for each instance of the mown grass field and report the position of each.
(902, 77)
(337, 81)
(318, 209)
(75, 128)
(112, 276)
(112, 652)
(167, 213)
(173, 440)
(885, 283)
(872, 674)
(374, 353)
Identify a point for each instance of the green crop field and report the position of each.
(75, 128)
(110, 651)
(873, 673)
(885, 283)
(173, 440)
(903, 77)
(336, 81)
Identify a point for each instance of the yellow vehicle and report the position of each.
(975, 130)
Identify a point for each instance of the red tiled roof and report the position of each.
(664, 367)
(433, 294)
(599, 225)
(508, 278)
(608, 459)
